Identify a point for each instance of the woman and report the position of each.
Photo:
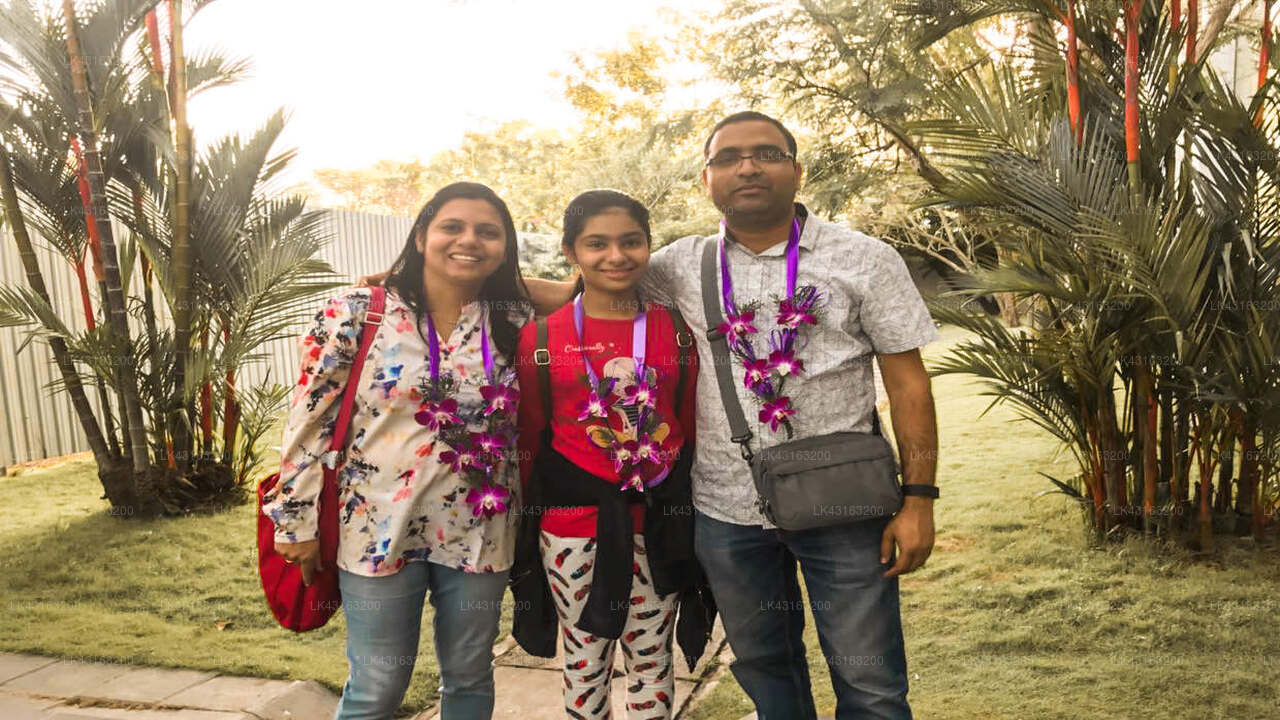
(427, 495)
(607, 537)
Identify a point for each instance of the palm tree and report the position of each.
(1153, 347)
(251, 267)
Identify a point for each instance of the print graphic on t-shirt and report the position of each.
(623, 371)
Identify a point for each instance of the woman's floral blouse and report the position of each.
(397, 503)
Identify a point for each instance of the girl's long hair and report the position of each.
(592, 203)
(502, 291)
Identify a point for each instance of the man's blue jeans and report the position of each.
(753, 577)
(384, 619)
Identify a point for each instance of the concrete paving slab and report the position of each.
(533, 694)
(16, 707)
(95, 713)
(302, 700)
(147, 684)
(65, 678)
(14, 664)
(229, 693)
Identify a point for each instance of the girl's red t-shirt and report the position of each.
(608, 349)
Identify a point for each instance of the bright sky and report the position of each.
(395, 79)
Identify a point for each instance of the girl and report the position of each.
(605, 433)
(426, 493)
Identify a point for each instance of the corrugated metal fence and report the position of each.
(36, 422)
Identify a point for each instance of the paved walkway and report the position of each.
(35, 687)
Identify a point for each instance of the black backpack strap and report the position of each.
(542, 358)
(684, 342)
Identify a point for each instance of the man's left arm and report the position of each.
(916, 429)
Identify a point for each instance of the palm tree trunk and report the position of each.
(1148, 437)
(1249, 499)
(148, 501)
(159, 422)
(1175, 24)
(1132, 13)
(1203, 444)
(1226, 464)
(1113, 462)
(95, 248)
(86, 305)
(1097, 486)
(1180, 483)
(118, 486)
(206, 407)
(1073, 75)
(230, 407)
(181, 227)
(1193, 26)
(1264, 55)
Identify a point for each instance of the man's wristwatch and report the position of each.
(929, 491)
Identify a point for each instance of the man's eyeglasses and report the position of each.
(762, 156)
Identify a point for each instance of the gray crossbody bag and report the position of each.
(812, 482)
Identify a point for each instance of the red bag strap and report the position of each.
(368, 329)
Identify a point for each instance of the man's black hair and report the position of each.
(746, 116)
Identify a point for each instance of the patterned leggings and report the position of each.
(646, 638)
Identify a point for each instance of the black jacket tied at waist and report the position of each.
(668, 534)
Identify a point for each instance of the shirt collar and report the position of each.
(808, 234)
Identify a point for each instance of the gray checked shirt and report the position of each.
(871, 307)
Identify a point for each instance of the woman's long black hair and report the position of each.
(502, 291)
(592, 203)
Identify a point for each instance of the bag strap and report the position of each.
(368, 329)
(542, 359)
(684, 341)
(739, 431)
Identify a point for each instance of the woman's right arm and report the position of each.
(328, 351)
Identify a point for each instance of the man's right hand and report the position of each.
(306, 555)
(549, 295)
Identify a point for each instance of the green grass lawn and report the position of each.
(1015, 616)
(81, 584)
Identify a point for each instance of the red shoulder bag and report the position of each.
(301, 607)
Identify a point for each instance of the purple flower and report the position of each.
(647, 449)
(489, 443)
(785, 362)
(623, 454)
(776, 412)
(738, 326)
(641, 395)
(438, 415)
(633, 480)
(459, 460)
(757, 373)
(593, 406)
(792, 314)
(499, 398)
(488, 500)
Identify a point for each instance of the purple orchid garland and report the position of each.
(639, 462)
(475, 456)
(766, 377)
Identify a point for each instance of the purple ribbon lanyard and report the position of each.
(793, 266)
(638, 340)
(433, 347)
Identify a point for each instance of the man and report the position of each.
(870, 306)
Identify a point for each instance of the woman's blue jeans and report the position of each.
(384, 619)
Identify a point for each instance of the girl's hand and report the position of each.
(372, 280)
(306, 555)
